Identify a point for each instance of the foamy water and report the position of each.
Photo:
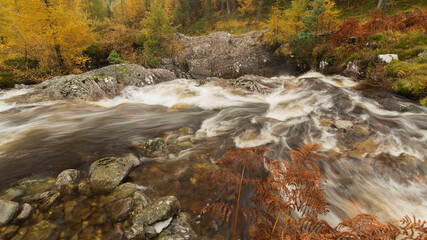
(295, 111)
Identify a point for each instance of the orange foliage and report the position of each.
(378, 22)
(278, 189)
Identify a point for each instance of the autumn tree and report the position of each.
(130, 12)
(95, 9)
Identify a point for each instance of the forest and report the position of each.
(213, 119)
(41, 39)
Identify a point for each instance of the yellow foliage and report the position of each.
(130, 12)
(49, 31)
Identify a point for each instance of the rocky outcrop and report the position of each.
(94, 85)
(224, 55)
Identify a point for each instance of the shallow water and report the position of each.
(380, 172)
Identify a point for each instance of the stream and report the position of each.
(375, 163)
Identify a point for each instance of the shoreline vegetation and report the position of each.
(333, 37)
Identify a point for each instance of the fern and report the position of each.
(277, 189)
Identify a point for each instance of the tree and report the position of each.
(96, 9)
(381, 4)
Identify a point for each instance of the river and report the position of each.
(374, 165)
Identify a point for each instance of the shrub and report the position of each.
(114, 58)
(7, 80)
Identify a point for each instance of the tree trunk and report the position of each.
(228, 7)
(382, 4)
(123, 11)
(59, 55)
(259, 11)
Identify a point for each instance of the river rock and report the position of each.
(8, 211)
(362, 130)
(41, 231)
(120, 209)
(387, 58)
(66, 182)
(342, 124)
(12, 194)
(354, 70)
(250, 83)
(140, 198)
(161, 209)
(45, 199)
(224, 55)
(154, 148)
(136, 232)
(125, 190)
(25, 212)
(8, 232)
(107, 173)
(181, 227)
(35, 186)
(106, 82)
(412, 108)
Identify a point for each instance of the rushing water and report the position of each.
(377, 166)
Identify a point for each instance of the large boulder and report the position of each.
(107, 173)
(224, 55)
(106, 82)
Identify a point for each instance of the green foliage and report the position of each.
(304, 41)
(156, 40)
(22, 63)
(114, 58)
(7, 80)
(408, 78)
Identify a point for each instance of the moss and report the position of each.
(105, 161)
(424, 102)
(408, 78)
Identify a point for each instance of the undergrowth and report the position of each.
(281, 199)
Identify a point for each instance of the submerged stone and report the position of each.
(12, 194)
(125, 190)
(120, 209)
(41, 231)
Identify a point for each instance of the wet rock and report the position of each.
(8, 211)
(45, 200)
(250, 83)
(120, 209)
(136, 232)
(161, 209)
(185, 131)
(8, 232)
(66, 182)
(248, 135)
(182, 227)
(125, 190)
(94, 85)
(25, 212)
(154, 148)
(105, 174)
(342, 124)
(412, 108)
(354, 70)
(116, 233)
(362, 149)
(387, 58)
(140, 198)
(42, 231)
(35, 186)
(150, 232)
(180, 107)
(84, 188)
(224, 55)
(12, 194)
(362, 130)
(20, 234)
